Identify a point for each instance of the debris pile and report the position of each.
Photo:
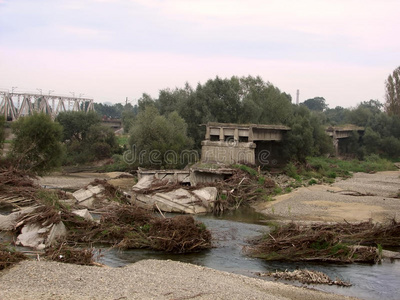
(307, 277)
(242, 186)
(67, 254)
(17, 188)
(326, 242)
(132, 227)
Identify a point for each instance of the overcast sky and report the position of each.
(342, 50)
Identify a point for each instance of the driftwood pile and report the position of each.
(328, 243)
(16, 187)
(307, 277)
(131, 227)
(242, 187)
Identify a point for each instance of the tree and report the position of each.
(316, 103)
(392, 95)
(37, 143)
(76, 124)
(85, 138)
(158, 140)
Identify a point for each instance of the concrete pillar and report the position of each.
(221, 134)
(236, 134)
(250, 134)
(207, 133)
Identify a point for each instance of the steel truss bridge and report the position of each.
(16, 105)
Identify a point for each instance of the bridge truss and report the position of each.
(16, 105)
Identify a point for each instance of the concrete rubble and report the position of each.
(38, 237)
(179, 200)
(86, 196)
(84, 213)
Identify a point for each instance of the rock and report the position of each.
(144, 183)
(84, 213)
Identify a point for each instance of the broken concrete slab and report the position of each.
(86, 196)
(207, 195)
(84, 213)
(9, 222)
(57, 231)
(181, 200)
(38, 237)
(143, 183)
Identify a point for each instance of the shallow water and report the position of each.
(380, 281)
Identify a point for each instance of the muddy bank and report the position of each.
(147, 279)
(360, 198)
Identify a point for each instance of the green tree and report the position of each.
(392, 95)
(37, 143)
(371, 141)
(316, 103)
(76, 124)
(85, 138)
(158, 140)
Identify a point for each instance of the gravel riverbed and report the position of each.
(146, 279)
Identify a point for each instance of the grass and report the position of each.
(123, 140)
(328, 169)
(247, 169)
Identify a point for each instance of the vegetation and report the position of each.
(37, 144)
(157, 140)
(327, 169)
(86, 140)
(392, 95)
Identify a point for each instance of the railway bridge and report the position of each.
(16, 105)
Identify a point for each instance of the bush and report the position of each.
(37, 144)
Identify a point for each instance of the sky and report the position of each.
(108, 50)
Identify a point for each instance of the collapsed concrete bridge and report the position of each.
(229, 143)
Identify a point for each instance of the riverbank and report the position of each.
(146, 279)
(357, 199)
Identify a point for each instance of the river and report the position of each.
(230, 232)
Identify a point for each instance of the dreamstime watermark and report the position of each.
(156, 157)
(231, 151)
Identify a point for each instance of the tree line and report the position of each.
(174, 121)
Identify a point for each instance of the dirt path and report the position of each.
(360, 198)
